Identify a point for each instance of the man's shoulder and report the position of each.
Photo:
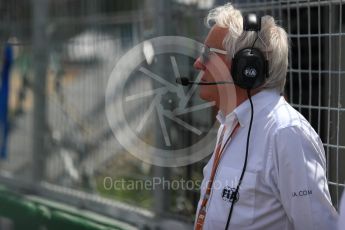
(287, 123)
(291, 133)
(282, 115)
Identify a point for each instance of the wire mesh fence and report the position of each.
(74, 152)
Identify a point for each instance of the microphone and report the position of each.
(185, 81)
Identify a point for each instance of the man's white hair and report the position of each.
(273, 41)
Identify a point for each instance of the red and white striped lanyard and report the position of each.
(219, 151)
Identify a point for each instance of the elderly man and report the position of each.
(268, 167)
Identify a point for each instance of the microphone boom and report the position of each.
(185, 81)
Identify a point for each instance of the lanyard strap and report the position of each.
(219, 152)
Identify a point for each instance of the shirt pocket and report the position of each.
(224, 185)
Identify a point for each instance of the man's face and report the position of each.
(215, 67)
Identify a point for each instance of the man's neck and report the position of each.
(241, 96)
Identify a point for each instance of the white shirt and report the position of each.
(284, 186)
(341, 223)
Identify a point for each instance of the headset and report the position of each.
(249, 66)
(249, 70)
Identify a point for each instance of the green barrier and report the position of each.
(32, 214)
(65, 221)
(21, 212)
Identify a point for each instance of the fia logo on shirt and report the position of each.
(228, 194)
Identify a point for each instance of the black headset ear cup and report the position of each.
(248, 68)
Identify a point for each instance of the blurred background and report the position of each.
(59, 155)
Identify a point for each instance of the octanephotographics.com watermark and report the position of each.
(153, 183)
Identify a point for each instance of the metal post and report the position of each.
(160, 27)
(162, 196)
(40, 62)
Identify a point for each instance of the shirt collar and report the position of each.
(242, 112)
(226, 120)
(260, 101)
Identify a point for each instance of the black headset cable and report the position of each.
(234, 194)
